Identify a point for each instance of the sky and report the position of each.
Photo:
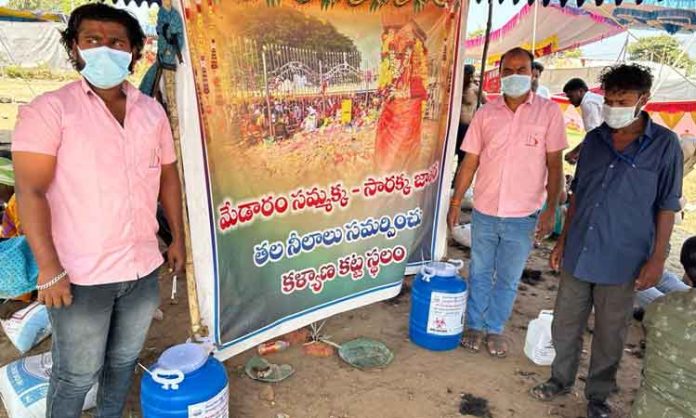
(607, 49)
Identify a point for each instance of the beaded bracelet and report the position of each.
(52, 282)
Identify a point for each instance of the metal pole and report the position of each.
(268, 95)
(485, 50)
(367, 85)
(322, 92)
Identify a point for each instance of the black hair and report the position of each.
(103, 13)
(536, 65)
(575, 84)
(688, 257)
(469, 69)
(517, 51)
(626, 77)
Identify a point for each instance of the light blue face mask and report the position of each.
(105, 67)
(516, 85)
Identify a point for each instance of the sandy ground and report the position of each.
(417, 384)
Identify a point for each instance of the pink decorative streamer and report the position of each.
(526, 10)
(498, 33)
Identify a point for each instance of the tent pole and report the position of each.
(632, 35)
(489, 24)
(534, 26)
(673, 63)
(197, 328)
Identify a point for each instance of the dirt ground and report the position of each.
(418, 384)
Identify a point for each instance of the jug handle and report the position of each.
(459, 264)
(546, 312)
(427, 273)
(169, 379)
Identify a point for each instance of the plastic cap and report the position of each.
(187, 358)
(441, 269)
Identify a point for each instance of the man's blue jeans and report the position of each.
(499, 251)
(669, 283)
(99, 338)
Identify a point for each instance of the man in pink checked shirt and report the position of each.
(92, 159)
(514, 146)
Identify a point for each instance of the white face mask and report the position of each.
(619, 117)
(516, 85)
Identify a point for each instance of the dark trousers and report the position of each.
(461, 133)
(613, 305)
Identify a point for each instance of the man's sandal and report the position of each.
(548, 391)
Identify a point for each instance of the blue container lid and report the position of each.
(442, 269)
(186, 358)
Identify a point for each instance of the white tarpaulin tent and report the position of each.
(32, 44)
(670, 82)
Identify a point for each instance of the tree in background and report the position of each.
(60, 6)
(292, 28)
(476, 33)
(571, 53)
(662, 49)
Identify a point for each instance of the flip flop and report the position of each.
(260, 369)
(472, 340)
(497, 346)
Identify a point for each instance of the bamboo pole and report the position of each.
(197, 328)
(485, 51)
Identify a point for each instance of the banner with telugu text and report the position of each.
(324, 134)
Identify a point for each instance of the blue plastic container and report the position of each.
(438, 306)
(185, 382)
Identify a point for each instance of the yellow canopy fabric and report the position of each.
(28, 16)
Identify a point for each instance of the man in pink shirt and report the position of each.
(514, 146)
(92, 159)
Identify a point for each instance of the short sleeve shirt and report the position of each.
(103, 198)
(512, 149)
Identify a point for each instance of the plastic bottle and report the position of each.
(273, 347)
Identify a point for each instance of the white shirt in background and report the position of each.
(544, 92)
(591, 108)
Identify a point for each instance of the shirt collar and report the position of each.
(530, 99)
(648, 133)
(650, 130)
(131, 92)
(85, 86)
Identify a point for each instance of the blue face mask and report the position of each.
(516, 85)
(105, 67)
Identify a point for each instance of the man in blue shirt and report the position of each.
(615, 241)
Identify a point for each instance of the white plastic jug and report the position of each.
(539, 345)
(462, 235)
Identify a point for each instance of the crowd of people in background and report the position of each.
(288, 116)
